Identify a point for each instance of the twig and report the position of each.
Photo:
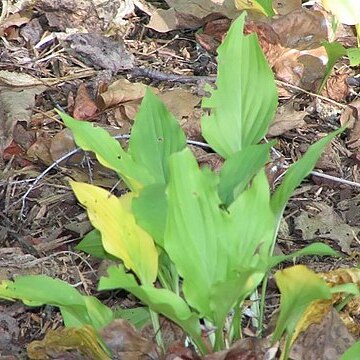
(69, 154)
(336, 179)
(312, 94)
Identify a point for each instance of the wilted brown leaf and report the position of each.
(119, 92)
(84, 107)
(351, 117)
(286, 118)
(327, 339)
(126, 343)
(68, 343)
(326, 224)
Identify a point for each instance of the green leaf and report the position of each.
(319, 249)
(156, 134)
(77, 309)
(92, 245)
(209, 245)
(297, 172)
(334, 51)
(299, 286)
(161, 301)
(150, 210)
(139, 316)
(108, 151)
(245, 99)
(347, 11)
(352, 352)
(354, 56)
(239, 168)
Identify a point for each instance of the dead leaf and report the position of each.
(84, 107)
(326, 340)
(180, 102)
(15, 106)
(61, 144)
(283, 7)
(351, 116)
(99, 51)
(126, 343)
(119, 92)
(286, 118)
(69, 343)
(190, 14)
(337, 87)
(326, 224)
(14, 20)
(301, 29)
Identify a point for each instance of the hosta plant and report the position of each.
(194, 244)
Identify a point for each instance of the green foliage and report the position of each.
(76, 309)
(245, 99)
(207, 237)
(352, 353)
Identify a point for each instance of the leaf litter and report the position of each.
(61, 62)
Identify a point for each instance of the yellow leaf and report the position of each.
(346, 11)
(120, 234)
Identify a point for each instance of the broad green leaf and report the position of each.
(347, 11)
(108, 151)
(352, 353)
(195, 236)
(150, 209)
(297, 172)
(156, 134)
(139, 316)
(92, 245)
(208, 245)
(161, 301)
(248, 235)
(299, 286)
(264, 6)
(354, 56)
(77, 309)
(120, 234)
(239, 168)
(245, 99)
(334, 51)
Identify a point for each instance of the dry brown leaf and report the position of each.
(119, 92)
(14, 20)
(68, 343)
(301, 29)
(190, 14)
(61, 144)
(351, 116)
(84, 107)
(283, 7)
(286, 118)
(15, 106)
(126, 343)
(328, 339)
(326, 224)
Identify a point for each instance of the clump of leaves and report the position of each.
(206, 238)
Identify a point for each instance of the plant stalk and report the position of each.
(157, 330)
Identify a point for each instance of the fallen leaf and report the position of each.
(283, 7)
(15, 106)
(126, 343)
(351, 117)
(325, 340)
(119, 92)
(326, 224)
(286, 118)
(84, 107)
(190, 14)
(69, 343)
